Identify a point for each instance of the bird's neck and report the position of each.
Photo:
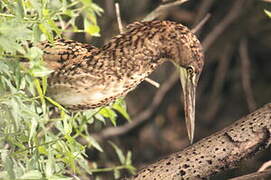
(146, 45)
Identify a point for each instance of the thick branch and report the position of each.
(217, 152)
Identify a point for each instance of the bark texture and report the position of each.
(220, 151)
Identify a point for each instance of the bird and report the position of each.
(86, 77)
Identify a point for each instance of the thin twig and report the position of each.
(200, 24)
(118, 17)
(162, 8)
(226, 21)
(215, 33)
(152, 82)
(203, 9)
(245, 75)
(220, 76)
(265, 166)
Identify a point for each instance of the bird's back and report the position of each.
(92, 77)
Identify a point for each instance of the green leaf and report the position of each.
(268, 13)
(45, 28)
(10, 46)
(118, 152)
(91, 28)
(20, 9)
(128, 160)
(34, 53)
(8, 166)
(32, 174)
(40, 71)
(42, 143)
(55, 177)
(100, 118)
(116, 174)
(33, 131)
(55, 104)
(44, 84)
(54, 27)
(67, 127)
(131, 169)
(49, 166)
(42, 150)
(94, 143)
(109, 113)
(120, 106)
(38, 87)
(36, 33)
(97, 8)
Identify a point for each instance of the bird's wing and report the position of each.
(63, 51)
(75, 84)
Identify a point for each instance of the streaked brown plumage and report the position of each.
(86, 77)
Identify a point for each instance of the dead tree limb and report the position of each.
(220, 151)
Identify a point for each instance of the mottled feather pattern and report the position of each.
(88, 77)
(63, 51)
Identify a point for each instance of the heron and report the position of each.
(86, 77)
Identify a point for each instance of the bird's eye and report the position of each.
(190, 70)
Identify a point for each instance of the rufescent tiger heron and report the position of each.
(87, 77)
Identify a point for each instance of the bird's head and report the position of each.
(190, 63)
(189, 77)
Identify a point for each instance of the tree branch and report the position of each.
(245, 75)
(220, 151)
(225, 22)
(162, 8)
(265, 166)
(214, 104)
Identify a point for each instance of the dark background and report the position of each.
(235, 81)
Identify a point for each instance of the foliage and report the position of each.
(268, 13)
(34, 142)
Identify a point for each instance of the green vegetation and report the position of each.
(34, 142)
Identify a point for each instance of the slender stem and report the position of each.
(118, 17)
(109, 169)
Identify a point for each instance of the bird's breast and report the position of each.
(92, 94)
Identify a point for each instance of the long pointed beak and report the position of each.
(189, 85)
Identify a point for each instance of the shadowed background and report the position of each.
(235, 80)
